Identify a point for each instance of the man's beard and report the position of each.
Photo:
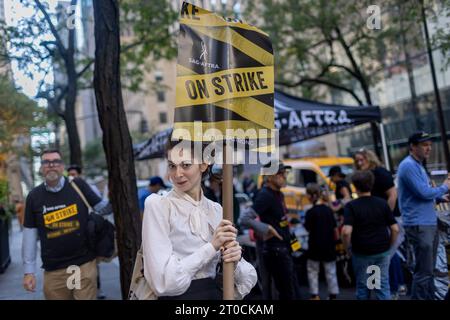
(52, 176)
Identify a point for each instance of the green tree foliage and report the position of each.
(148, 35)
(329, 43)
(45, 42)
(323, 43)
(18, 114)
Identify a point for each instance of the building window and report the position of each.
(163, 117)
(144, 126)
(160, 93)
(161, 96)
(158, 76)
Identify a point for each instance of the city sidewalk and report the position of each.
(11, 280)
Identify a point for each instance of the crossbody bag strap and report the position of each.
(74, 185)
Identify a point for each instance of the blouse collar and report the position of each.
(188, 198)
(201, 218)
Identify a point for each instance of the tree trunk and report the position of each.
(116, 137)
(71, 124)
(71, 99)
(68, 57)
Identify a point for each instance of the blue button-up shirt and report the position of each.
(416, 196)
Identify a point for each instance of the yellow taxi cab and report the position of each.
(306, 170)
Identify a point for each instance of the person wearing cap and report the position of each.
(155, 185)
(343, 191)
(270, 206)
(417, 199)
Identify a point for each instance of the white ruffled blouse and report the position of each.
(176, 235)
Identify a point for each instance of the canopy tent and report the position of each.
(300, 119)
(152, 148)
(296, 119)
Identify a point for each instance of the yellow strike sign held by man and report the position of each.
(224, 74)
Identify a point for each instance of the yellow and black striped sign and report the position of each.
(225, 75)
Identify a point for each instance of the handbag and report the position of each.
(141, 290)
(100, 232)
(139, 287)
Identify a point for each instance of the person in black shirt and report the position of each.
(57, 214)
(213, 192)
(366, 236)
(249, 186)
(343, 191)
(383, 186)
(323, 233)
(269, 204)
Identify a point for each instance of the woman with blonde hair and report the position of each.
(184, 237)
(369, 160)
(384, 186)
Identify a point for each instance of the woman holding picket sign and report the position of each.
(184, 238)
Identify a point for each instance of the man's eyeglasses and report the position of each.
(48, 163)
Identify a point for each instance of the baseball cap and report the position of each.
(336, 170)
(157, 180)
(419, 137)
(281, 166)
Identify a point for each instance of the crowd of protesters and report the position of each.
(371, 224)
